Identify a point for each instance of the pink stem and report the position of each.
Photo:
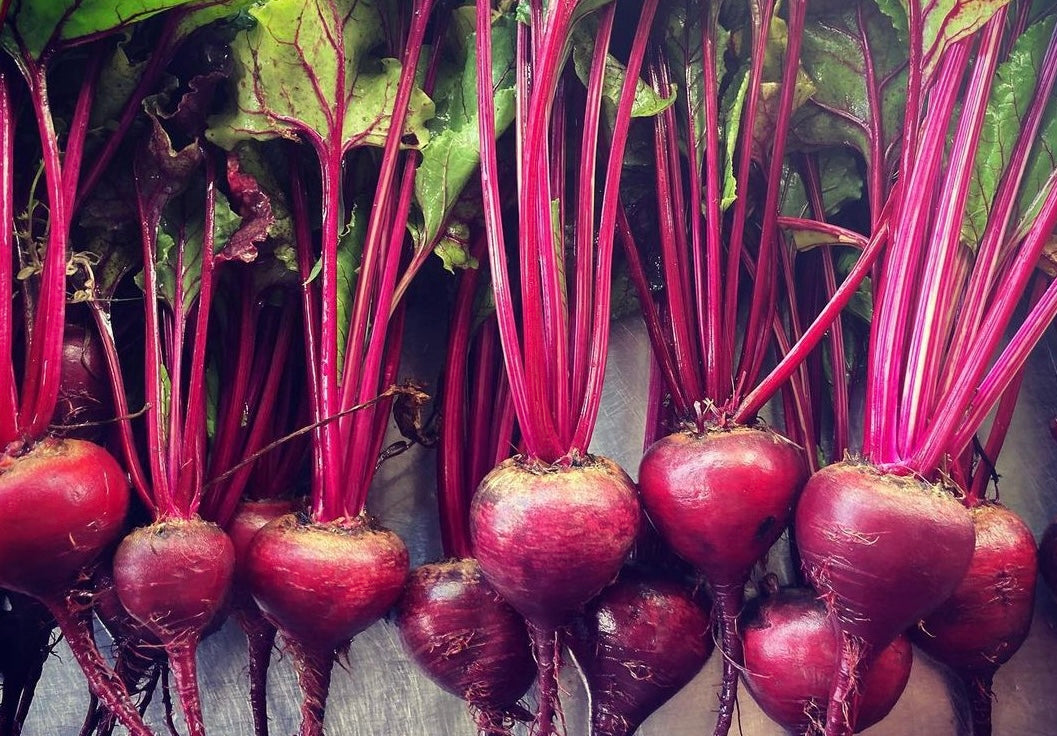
(8, 385)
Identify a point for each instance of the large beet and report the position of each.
(320, 585)
(791, 651)
(467, 640)
(637, 645)
(721, 499)
(884, 551)
(988, 616)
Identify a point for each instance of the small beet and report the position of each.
(249, 517)
(988, 617)
(84, 388)
(320, 585)
(721, 499)
(791, 659)
(467, 640)
(637, 645)
(884, 551)
(174, 577)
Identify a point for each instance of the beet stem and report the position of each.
(185, 669)
(844, 700)
(166, 699)
(313, 675)
(102, 680)
(978, 688)
(729, 599)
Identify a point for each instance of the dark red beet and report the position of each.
(260, 633)
(884, 551)
(548, 539)
(1048, 556)
(320, 585)
(173, 577)
(637, 645)
(84, 391)
(791, 658)
(721, 499)
(987, 618)
(468, 640)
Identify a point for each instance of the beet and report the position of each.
(173, 577)
(637, 645)
(84, 389)
(62, 503)
(548, 539)
(791, 649)
(884, 551)
(468, 640)
(320, 585)
(721, 499)
(249, 517)
(989, 615)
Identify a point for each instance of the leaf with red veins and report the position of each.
(308, 69)
(254, 207)
(766, 123)
(857, 61)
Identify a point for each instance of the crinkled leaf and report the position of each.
(37, 25)
(1011, 96)
(454, 248)
(287, 80)
(647, 103)
(208, 12)
(162, 172)
(255, 209)
(834, 55)
(452, 154)
(117, 80)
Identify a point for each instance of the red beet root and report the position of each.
(638, 644)
(84, 391)
(721, 499)
(548, 539)
(173, 577)
(260, 633)
(320, 585)
(468, 641)
(790, 661)
(62, 502)
(987, 618)
(884, 551)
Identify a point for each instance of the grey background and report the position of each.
(378, 692)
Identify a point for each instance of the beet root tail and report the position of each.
(260, 639)
(185, 671)
(729, 600)
(314, 668)
(843, 710)
(103, 682)
(978, 688)
(546, 648)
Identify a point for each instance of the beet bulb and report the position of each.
(883, 551)
(638, 644)
(468, 640)
(791, 659)
(988, 616)
(721, 499)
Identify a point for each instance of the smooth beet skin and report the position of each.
(885, 550)
(637, 645)
(84, 388)
(174, 575)
(791, 658)
(248, 519)
(321, 584)
(550, 538)
(467, 640)
(986, 620)
(722, 498)
(61, 504)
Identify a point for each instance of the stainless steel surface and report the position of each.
(378, 692)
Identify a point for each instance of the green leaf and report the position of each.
(1011, 96)
(1042, 161)
(35, 26)
(835, 56)
(452, 154)
(949, 21)
(841, 182)
(647, 102)
(453, 248)
(308, 68)
(350, 249)
(117, 80)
